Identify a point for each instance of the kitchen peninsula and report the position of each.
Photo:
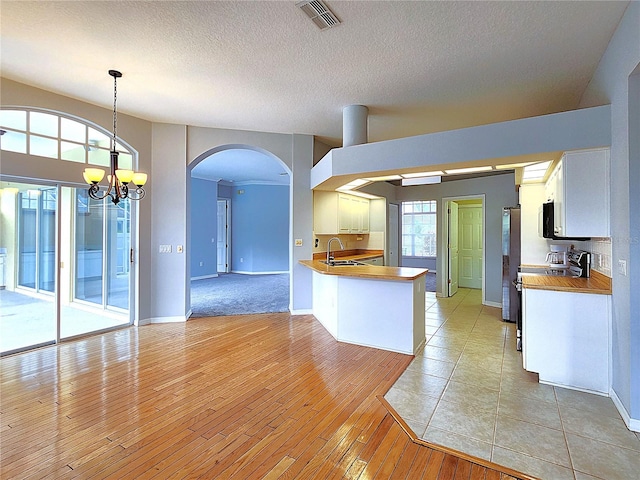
(368, 305)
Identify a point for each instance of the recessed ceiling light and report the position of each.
(422, 174)
(467, 170)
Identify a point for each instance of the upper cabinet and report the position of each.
(579, 189)
(338, 213)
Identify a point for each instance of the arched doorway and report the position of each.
(239, 255)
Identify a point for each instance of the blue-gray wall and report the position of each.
(204, 197)
(498, 191)
(617, 81)
(260, 229)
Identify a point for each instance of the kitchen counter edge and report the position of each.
(597, 283)
(366, 271)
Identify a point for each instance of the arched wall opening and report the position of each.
(239, 210)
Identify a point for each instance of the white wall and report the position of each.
(533, 248)
(611, 83)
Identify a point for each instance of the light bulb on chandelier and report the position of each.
(118, 180)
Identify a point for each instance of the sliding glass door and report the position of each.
(100, 277)
(28, 248)
(66, 264)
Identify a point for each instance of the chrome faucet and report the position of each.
(329, 257)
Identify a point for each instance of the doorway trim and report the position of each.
(443, 250)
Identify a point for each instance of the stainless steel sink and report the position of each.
(341, 263)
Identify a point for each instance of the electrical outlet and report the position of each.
(165, 249)
(201, 264)
(317, 242)
(298, 242)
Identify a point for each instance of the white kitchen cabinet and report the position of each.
(339, 213)
(579, 187)
(566, 338)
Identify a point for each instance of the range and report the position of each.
(578, 265)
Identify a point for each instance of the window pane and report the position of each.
(88, 271)
(44, 124)
(73, 152)
(99, 156)
(43, 147)
(14, 142)
(125, 161)
(72, 130)
(47, 243)
(419, 229)
(99, 139)
(16, 119)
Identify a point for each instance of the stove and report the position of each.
(579, 265)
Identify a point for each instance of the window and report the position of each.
(419, 229)
(49, 134)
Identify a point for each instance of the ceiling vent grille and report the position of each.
(319, 13)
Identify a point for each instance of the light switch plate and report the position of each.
(179, 249)
(622, 267)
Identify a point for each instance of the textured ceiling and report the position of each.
(420, 66)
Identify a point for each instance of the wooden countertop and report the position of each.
(597, 283)
(350, 254)
(366, 271)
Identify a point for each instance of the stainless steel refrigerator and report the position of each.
(510, 262)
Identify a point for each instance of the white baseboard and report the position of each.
(202, 277)
(633, 424)
(257, 273)
(174, 319)
(492, 304)
(301, 311)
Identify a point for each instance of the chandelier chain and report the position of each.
(115, 117)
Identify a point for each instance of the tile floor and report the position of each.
(467, 390)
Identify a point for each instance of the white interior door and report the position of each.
(222, 240)
(453, 247)
(471, 248)
(393, 235)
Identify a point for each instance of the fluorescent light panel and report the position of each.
(511, 166)
(422, 174)
(468, 170)
(421, 180)
(384, 178)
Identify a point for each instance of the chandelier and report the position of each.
(118, 180)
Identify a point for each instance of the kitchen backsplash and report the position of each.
(365, 241)
(600, 249)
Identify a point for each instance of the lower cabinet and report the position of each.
(567, 338)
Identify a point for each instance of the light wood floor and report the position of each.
(260, 396)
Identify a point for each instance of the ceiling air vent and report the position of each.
(319, 13)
